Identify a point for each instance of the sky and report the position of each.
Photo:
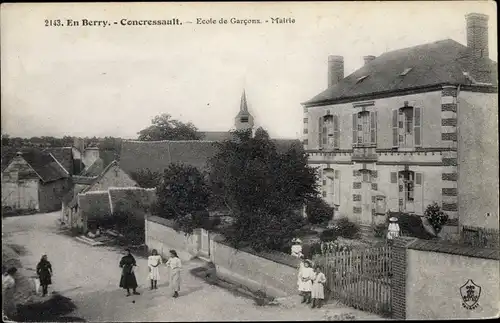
(111, 81)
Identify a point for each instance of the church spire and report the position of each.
(243, 104)
(244, 120)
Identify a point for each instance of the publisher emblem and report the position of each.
(470, 293)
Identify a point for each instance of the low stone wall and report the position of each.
(272, 273)
(431, 279)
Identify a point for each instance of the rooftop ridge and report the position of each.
(166, 141)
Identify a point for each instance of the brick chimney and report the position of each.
(368, 58)
(477, 34)
(335, 69)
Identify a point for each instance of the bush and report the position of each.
(329, 235)
(380, 230)
(347, 229)
(436, 217)
(318, 211)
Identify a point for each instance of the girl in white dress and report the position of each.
(306, 275)
(154, 261)
(318, 290)
(174, 264)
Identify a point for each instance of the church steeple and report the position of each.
(244, 120)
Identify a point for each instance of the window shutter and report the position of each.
(354, 129)
(394, 177)
(336, 132)
(373, 127)
(320, 132)
(337, 174)
(417, 121)
(395, 129)
(418, 192)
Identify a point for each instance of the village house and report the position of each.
(158, 155)
(410, 127)
(34, 180)
(111, 176)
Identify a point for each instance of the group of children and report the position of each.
(311, 283)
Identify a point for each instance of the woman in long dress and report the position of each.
(154, 261)
(318, 289)
(174, 264)
(44, 272)
(127, 280)
(306, 275)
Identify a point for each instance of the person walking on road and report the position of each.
(154, 262)
(44, 272)
(318, 290)
(127, 280)
(306, 275)
(174, 263)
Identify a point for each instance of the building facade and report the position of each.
(399, 134)
(34, 181)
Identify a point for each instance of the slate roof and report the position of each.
(64, 156)
(441, 62)
(46, 167)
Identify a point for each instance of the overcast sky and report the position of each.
(95, 81)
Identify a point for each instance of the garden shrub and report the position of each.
(347, 229)
(318, 211)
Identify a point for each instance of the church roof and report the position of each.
(422, 66)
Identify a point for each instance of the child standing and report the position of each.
(306, 275)
(318, 290)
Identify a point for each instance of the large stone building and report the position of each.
(411, 127)
(158, 155)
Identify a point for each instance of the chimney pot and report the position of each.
(368, 58)
(335, 69)
(477, 34)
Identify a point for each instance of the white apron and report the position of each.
(305, 279)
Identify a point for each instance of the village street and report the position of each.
(90, 275)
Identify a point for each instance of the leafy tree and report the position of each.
(146, 178)
(183, 195)
(263, 189)
(436, 217)
(163, 127)
(318, 211)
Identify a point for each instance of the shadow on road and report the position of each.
(51, 310)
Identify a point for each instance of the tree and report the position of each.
(163, 127)
(436, 217)
(146, 178)
(183, 195)
(263, 189)
(318, 211)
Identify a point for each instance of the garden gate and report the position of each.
(360, 278)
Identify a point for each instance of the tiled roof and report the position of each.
(158, 155)
(70, 197)
(47, 168)
(95, 169)
(215, 135)
(64, 156)
(441, 62)
(8, 153)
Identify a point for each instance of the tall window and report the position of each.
(364, 128)
(406, 127)
(329, 132)
(409, 191)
